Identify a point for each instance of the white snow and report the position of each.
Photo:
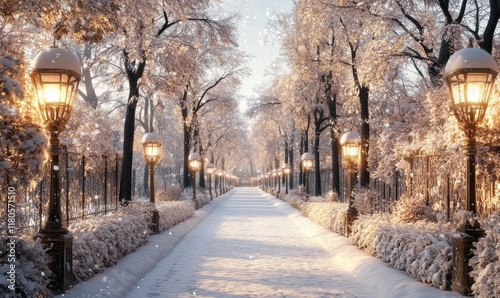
(251, 245)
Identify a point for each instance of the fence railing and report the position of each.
(89, 187)
(443, 193)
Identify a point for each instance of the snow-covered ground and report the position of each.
(248, 244)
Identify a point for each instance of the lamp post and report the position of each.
(470, 74)
(210, 171)
(194, 161)
(220, 173)
(307, 164)
(351, 144)
(151, 142)
(56, 74)
(286, 172)
(279, 172)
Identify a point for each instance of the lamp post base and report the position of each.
(462, 252)
(350, 217)
(155, 222)
(59, 246)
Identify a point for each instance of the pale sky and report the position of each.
(252, 33)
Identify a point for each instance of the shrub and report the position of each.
(172, 193)
(366, 201)
(32, 272)
(486, 260)
(172, 213)
(412, 209)
(101, 241)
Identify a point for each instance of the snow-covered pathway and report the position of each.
(256, 246)
(248, 244)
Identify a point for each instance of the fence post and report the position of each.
(116, 181)
(83, 186)
(105, 156)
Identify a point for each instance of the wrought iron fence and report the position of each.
(444, 194)
(89, 187)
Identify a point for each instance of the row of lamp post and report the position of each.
(56, 73)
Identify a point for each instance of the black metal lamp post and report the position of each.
(151, 142)
(56, 74)
(194, 160)
(273, 175)
(308, 165)
(351, 144)
(286, 172)
(470, 74)
(220, 173)
(266, 182)
(279, 173)
(227, 182)
(210, 172)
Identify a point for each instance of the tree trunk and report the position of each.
(186, 174)
(364, 175)
(290, 153)
(134, 73)
(128, 144)
(317, 169)
(90, 96)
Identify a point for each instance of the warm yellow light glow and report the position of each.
(194, 165)
(351, 150)
(307, 163)
(51, 94)
(210, 168)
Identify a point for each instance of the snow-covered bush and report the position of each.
(101, 241)
(422, 249)
(174, 212)
(332, 196)
(31, 269)
(327, 214)
(295, 198)
(202, 198)
(486, 260)
(366, 201)
(22, 141)
(172, 193)
(412, 209)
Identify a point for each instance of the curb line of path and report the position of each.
(118, 280)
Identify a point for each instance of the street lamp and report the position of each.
(194, 160)
(273, 173)
(210, 171)
(351, 144)
(55, 75)
(470, 74)
(286, 172)
(220, 173)
(308, 165)
(151, 142)
(268, 181)
(279, 172)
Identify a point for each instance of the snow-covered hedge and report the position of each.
(421, 249)
(31, 270)
(202, 198)
(486, 262)
(174, 212)
(100, 242)
(327, 214)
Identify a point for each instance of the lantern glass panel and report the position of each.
(351, 150)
